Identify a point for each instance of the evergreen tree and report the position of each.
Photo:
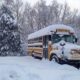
(9, 34)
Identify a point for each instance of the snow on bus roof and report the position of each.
(47, 30)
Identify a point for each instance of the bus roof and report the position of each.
(47, 30)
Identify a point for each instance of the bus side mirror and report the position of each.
(76, 39)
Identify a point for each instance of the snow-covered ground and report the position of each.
(28, 68)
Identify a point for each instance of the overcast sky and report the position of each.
(72, 3)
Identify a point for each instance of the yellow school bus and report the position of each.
(55, 42)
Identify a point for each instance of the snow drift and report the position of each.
(28, 68)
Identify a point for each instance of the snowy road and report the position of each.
(28, 68)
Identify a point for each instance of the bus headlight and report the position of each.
(55, 47)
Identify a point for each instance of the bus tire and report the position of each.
(54, 58)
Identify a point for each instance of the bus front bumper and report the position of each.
(73, 61)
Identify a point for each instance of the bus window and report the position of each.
(56, 38)
(69, 38)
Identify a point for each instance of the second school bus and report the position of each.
(55, 42)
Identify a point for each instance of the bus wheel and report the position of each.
(55, 58)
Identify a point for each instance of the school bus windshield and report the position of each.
(57, 38)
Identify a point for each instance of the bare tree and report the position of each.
(42, 14)
(8, 2)
(65, 12)
(29, 13)
(55, 12)
(17, 8)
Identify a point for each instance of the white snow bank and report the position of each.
(28, 68)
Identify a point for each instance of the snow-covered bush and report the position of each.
(9, 34)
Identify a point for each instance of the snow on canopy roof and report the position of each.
(47, 30)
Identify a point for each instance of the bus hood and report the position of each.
(67, 50)
(66, 47)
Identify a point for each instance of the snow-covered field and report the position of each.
(28, 68)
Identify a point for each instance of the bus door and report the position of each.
(45, 47)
